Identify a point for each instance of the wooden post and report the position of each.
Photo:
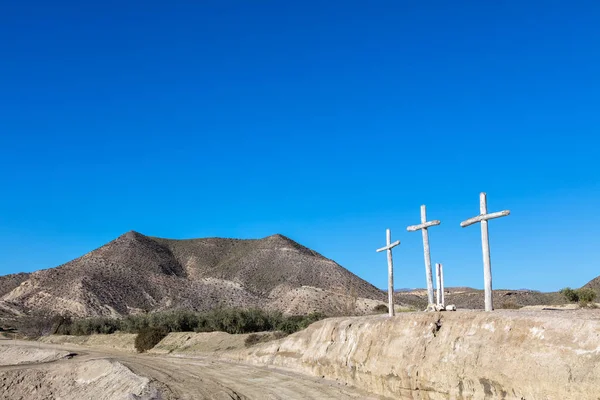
(426, 253)
(442, 284)
(438, 278)
(389, 246)
(483, 218)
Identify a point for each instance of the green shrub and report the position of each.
(381, 308)
(586, 296)
(232, 321)
(252, 339)
(510, 305)
(296, 323)
(255, 338)
(39, 323)
(570, 294)
(149, 337)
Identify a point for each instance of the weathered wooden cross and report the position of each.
(439, 275)
(389, 246)
(485, 244)
(423, 227)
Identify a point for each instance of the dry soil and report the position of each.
(52, 371)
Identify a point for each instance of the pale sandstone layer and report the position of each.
(462, 355)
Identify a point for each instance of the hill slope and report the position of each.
(465, 297)
(594, 284)
(9, 282)
(136, 273)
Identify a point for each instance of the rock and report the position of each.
(450, 307)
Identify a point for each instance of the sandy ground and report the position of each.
(51, 371)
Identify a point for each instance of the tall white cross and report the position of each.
(439, 279)
(423, 227)
(389, 246)
(485, 244)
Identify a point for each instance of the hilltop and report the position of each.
(594, 284)
(137, 273)
(470, 298)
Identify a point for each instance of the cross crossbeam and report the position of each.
(426, 252)
(483, 218)
(414, 228)
(388, 247)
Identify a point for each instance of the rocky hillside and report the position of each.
(136, 273)
(9, 282)
(594, 284)
(465, 297)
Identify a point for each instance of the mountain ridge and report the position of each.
(137, 273)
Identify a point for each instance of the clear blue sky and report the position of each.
(324, 121)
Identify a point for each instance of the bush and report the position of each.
(226, 320)
(296, 323)
(584, 295)
(148, 338)
(39, 323)
(252, 339)
(255, 338)
(510, 305)
(570, 294)
(381, 309)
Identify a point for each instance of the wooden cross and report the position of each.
(443, 302)
(485, 244)
(423, 227)
(389, 246)
(439, 275)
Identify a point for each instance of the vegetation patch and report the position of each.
(256, 338)
(233, 321)
(583, 296)
(149, 337)
(381, 309)
(509, 305)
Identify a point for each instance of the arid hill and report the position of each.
(594, 284)
(9, 282)
(465, 297)
(136, 273)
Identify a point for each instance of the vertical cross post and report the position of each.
(483, 218)
(426, 253)
(443, 302)
(389, 246)
(438, 284)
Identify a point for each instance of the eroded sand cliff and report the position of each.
(461, 355)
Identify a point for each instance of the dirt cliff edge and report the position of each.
(462, 355)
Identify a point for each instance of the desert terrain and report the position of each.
(428, 356)
(534, 346)
(136, 273)
(33, 370)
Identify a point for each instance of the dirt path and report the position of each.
(196, 378)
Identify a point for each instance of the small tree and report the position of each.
(570, 294)
(148, 338)
(381, 308)
(586, 296)
(39, 323)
